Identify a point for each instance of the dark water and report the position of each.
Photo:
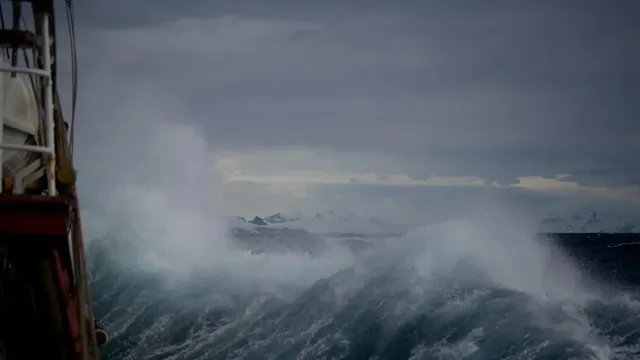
(580, 302)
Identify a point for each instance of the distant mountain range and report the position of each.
(324, 232)
(294, 233)
(321, 223)
(330, 223)
(589, 222)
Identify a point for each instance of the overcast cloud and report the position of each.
(295, 103)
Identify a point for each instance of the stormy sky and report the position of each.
(363, 104)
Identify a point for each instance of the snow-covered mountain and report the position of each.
(321, 223)
(331, 223)
(313, 235)
(279, 218)
(589, 222)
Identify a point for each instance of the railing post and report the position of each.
(48, 106)
(46, 146)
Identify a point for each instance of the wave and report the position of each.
(168, 282)
(447, 291)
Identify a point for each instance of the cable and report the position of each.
(74, 70)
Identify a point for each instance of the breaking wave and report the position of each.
(168, 281)
(455, 290)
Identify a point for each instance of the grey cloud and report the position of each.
(609, 173)
(435, 204)
(485, 89)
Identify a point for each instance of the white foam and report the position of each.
(175, 217)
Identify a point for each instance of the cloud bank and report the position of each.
(301, 105)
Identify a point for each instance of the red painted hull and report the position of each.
(35, 230)
(28, 215)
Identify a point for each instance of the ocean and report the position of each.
(448, 291)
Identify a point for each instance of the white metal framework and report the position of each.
(28, 150)
(47, 146)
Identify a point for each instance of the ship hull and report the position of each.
(45, 302)
(37, 299)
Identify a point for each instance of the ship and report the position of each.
(45, 301)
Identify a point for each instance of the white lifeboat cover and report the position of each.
(20, 114)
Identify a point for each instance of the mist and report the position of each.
(185, 122)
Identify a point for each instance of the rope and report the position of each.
(74, 71)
